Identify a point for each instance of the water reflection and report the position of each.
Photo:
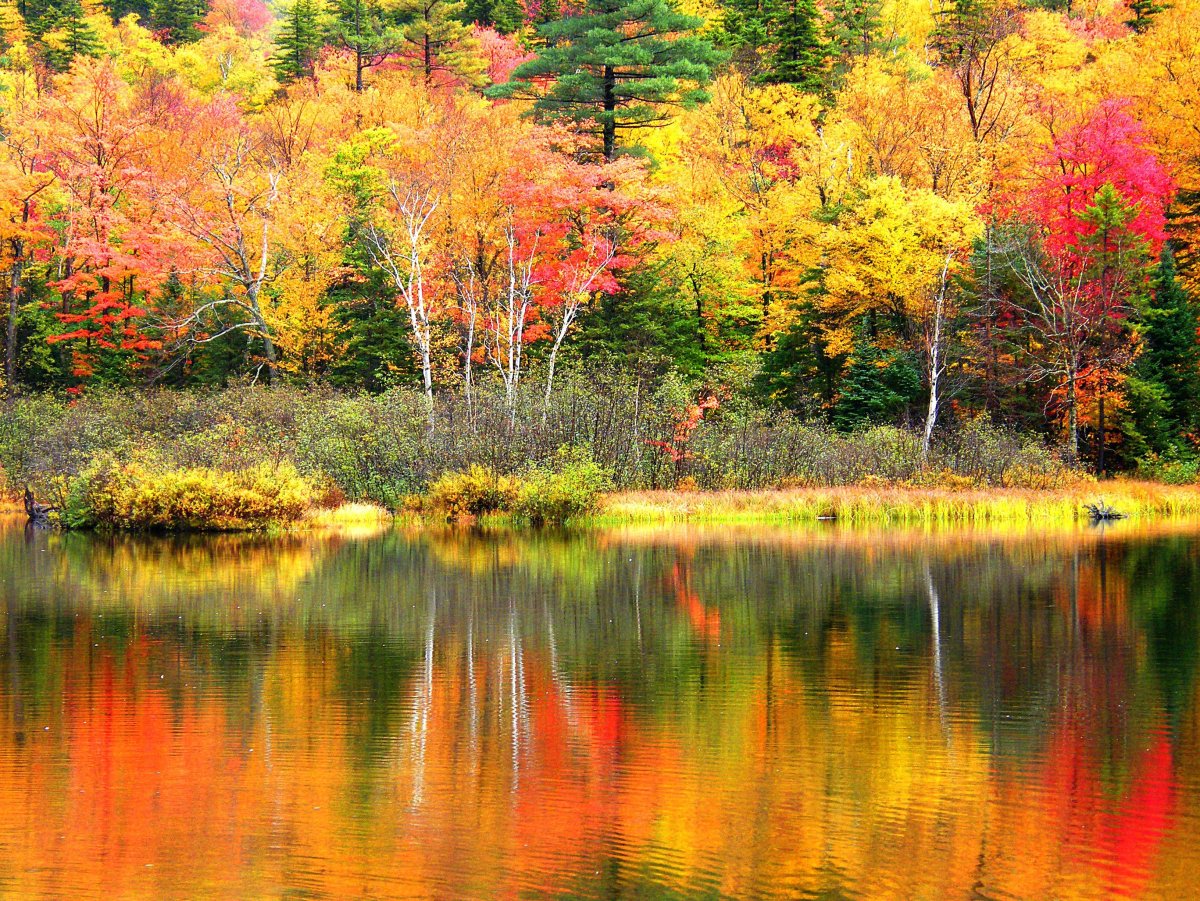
(637, 713)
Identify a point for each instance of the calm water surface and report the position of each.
(667, 713)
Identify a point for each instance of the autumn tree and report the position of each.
(613, 67)
(969, 40)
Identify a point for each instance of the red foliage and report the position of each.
(1109, 147)
(676, 448)
(246, 17)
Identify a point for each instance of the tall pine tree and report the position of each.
(176, 20)
(300, 41)
(614, 67)
(370, 31)
(1170, 355)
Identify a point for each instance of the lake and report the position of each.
(669, 712)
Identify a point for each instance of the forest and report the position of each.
(853, 213)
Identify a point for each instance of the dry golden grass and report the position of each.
(903, 505)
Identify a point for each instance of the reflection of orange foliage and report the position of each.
(706, 623)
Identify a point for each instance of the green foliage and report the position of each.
(783, 39)
(475, 492)
(568, 488)
(506, 16)
(301, 37)
(64, 33)
(1169, 364)
(878, 386)
(176, 20)
(611, 66)
(138, 495)
(1169, 468)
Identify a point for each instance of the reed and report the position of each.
(903, 505)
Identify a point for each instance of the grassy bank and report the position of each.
(870, 505)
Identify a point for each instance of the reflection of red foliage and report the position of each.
(1122, 838)
(1137, 830)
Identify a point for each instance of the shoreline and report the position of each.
(852, 505)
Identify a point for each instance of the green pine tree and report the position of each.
(1170, 355)
(176, 20)
(300, 40)
(613, 67)
(855, 29)
(439, 40)
(879, 385)
(1144, 12)
(506, 16)
(64, 33)
(369, 31)
(797, 53)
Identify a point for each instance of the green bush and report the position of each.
(477, 491)
(1170, 469)
(571, 488)
(138, 496)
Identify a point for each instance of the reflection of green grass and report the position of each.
(903, 505)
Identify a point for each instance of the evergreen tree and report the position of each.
(1170, 353)
(879, 385)
(797, 55)
(855, 30)
(369, 31)
(119, 9)
(777, 41)
(1143, 12)
(175, 20)
(506, 16)
(64, 33)
(613, 65)
(438, 39)
(300, 41)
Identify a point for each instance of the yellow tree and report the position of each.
(757, 143)
(890, 261)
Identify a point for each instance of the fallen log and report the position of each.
(1102, 512)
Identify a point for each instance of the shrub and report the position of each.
(571, 488)
(1169, 469)
(139, 496)
(477, 491)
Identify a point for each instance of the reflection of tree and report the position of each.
(563, 712)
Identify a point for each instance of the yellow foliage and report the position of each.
(139, 497)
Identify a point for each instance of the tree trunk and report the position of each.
(14, 297)
(1100, 434)
(1072, 415)
(610, 110)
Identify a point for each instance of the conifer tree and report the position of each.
(797, 55)
(1170, 352)
(1143, 12)
(300, 41)
(439, 40)
(777, 41)
(369, 31)
(64, 33)
(176, 20)
(506, 16)
(615, 66)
